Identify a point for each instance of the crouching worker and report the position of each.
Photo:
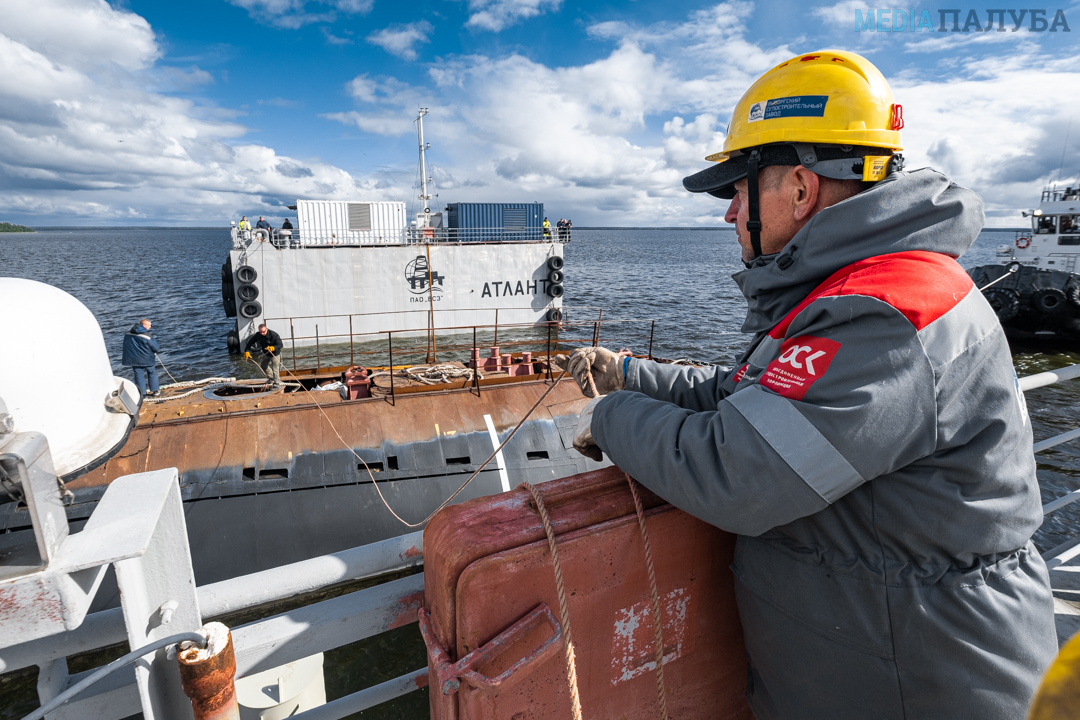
(267, 345)
(139, 355)
(871, 448)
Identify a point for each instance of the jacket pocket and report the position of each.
(832, 602)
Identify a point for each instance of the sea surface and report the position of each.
(675, 283)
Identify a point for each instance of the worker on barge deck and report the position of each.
(871, 447)
(140, 354)
(268, 343)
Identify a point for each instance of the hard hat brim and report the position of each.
(719, 180)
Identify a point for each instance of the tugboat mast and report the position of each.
(424, 179)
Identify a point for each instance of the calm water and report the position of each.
(681, 278)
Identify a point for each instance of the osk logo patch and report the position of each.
(803, 361)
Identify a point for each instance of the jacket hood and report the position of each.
(920, 210)
(138, 328)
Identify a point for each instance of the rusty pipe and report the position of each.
(208, 675)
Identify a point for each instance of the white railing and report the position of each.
(301, 238)
(265, 643)
(1066, 551)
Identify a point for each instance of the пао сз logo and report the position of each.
(417, 273)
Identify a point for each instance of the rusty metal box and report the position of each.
(491, 617)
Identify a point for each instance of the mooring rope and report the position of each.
(564, 609)
(457, 492)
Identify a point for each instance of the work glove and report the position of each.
(583, 439)
(247, 356)
(605, 366)
(270, 348)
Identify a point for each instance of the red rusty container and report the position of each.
(491, 618)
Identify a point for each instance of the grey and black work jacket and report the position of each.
(873, 451)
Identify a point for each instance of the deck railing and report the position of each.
(386, 349)
(297, 238)
(1066, 551)
(270, 642)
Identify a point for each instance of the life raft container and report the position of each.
(491, 611)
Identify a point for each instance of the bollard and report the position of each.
(208, 674)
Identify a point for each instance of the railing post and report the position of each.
(495, 342)
(652, 327)
(318, 351)
(351, 359)
(292, 348)
(599, 319)
(475, 356)
(208, 676)
(549, 350)
(390, 349)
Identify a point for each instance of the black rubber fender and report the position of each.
(247, 292)
(246, 274)
(555, 263)
(251, 310)
(228, 291)
(1073, 292)
(229, 304)
(555, 290)
(1050, 301)
(1004, 302)
(554, 315)
(555, 276)
(232, 341)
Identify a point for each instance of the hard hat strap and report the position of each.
(753, 222)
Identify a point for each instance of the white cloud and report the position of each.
(400, 39)
(496, 15)
(294, 14)
(843, 14)
(84, 132)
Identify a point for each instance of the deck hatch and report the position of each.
(463, 460)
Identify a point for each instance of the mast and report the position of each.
(424, 179)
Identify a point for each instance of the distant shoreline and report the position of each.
(6, 227)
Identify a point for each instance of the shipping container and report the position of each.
(340, 222)
(495, 222)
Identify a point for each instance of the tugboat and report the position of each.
(1036, 286)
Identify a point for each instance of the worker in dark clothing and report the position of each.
(262, 224)
(139, 355)
(286, 225)
(871, 446)
(267, 345)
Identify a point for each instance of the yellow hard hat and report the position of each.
(819, 110)
(831, 97)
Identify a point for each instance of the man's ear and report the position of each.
(806, 188)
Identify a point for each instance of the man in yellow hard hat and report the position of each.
(871, 447)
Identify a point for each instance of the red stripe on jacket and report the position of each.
(921, 285)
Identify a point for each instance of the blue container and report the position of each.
(495, 222)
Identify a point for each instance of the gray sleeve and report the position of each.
(693, 388)
(766, 457)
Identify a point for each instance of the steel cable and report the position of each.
(41, 712)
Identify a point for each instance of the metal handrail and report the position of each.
(1066, 551)
(266, 642)
(300, 237)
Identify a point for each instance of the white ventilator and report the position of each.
(56, 379)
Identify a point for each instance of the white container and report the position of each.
(339, 222)
(282, 692)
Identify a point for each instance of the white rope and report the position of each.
(437, 374)
(196, 385)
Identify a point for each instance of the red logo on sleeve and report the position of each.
(739, 375)
(803, 360)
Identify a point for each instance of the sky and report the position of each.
(142, 112)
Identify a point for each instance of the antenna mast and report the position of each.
(424, 179)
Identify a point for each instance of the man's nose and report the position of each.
(732, 215)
